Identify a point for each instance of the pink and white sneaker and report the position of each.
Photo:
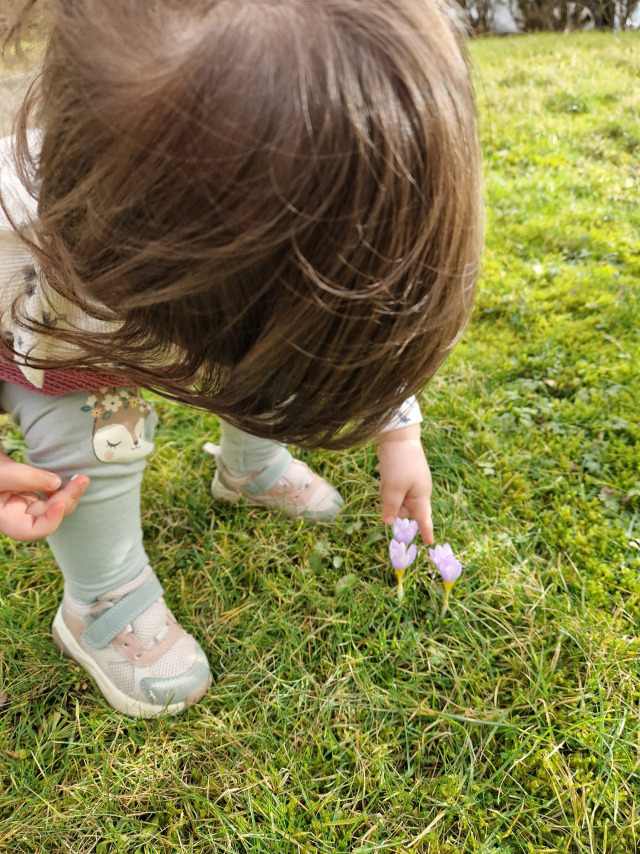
(285, 484)
(142, 660)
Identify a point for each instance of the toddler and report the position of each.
(267, 208)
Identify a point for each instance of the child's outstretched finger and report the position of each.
(426, 531)
(421, 512)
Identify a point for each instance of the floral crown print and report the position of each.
(108, 401)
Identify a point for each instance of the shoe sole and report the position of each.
(66, 643)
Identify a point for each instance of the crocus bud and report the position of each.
(404, 530)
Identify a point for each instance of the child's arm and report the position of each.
(23, 514)
(405, 479)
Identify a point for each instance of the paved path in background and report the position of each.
(12, 90)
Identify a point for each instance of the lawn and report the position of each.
(340, 720)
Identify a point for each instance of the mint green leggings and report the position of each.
(107, 435)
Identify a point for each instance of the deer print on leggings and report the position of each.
(118, 429)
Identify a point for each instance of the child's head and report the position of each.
(280, 198)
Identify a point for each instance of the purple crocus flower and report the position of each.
(404, 530)
(401, 550)
(446, 564)
(401, 556)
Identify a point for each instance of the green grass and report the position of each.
(340, 721)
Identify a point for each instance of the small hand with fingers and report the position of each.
(24, 514)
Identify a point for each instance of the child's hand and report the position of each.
(405, 479)
(23, 514)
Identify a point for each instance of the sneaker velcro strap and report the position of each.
(269, 476)
(114, 619)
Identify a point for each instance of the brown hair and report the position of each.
(278, 200)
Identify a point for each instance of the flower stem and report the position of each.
(447, 591)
